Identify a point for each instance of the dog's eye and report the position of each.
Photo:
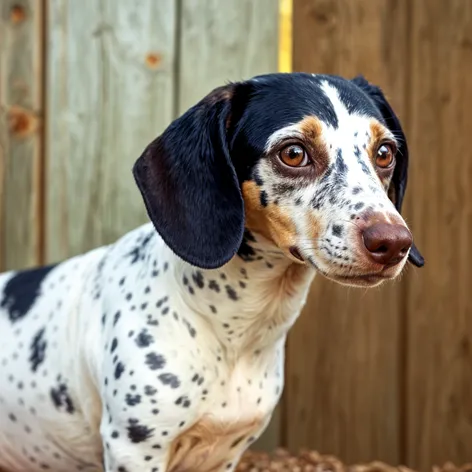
(294, 156)
(385, 156)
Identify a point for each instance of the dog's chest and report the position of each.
(232, 413)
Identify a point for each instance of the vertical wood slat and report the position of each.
(110, 92)
(221, 42)
(21, 142)
(343, 384)
(439, 374)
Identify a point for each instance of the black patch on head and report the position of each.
(38, 350)
(155, 361)
(138, 433)
(144, 339)
(61, 399)
(22, 290)
(170, 379)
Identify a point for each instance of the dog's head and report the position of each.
(313, 164)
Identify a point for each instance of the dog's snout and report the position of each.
(387, 243)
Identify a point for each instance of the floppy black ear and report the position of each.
(190, 187)
(400, 175)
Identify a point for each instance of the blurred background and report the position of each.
(86, 85)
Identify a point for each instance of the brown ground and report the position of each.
(311, 461)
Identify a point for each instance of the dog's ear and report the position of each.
(400, 176)
(190, 187)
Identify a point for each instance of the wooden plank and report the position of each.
(21, 46)
(226, 41)
(111, 91)
(439, 384)
(219, 42)
(344, 357)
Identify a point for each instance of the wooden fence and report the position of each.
(84, 86)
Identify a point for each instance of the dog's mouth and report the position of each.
(358, 279)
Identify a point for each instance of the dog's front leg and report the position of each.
(133, 447)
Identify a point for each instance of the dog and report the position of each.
(164, 350)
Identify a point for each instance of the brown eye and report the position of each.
(385, 156)
(294, 156)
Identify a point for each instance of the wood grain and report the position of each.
(227, 42)
(439, 387)
(219, 44)
(343, 367)
(111, 91)
(21, 47)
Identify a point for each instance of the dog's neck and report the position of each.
(252, 300)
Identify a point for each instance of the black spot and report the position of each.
(183, 401)
(263, 198)
(358, 206)
(38, 350)
(337, 230)
(22, 290)
(138, 433)
(190, 328)
(116, 317)
(155, 361)
(356, 190)
(198, 279)
(119, 369)
(114, 345)
(138, 252)
(213, 285)
(165, 310)
(132, 400)
(150, 390)
(170, 379)
(144, 339)
(236, 441)
(12, 417)
(231, 292)
(212, 308)
(61, 399)
(191, 290)
(340, 164)
(246, 251)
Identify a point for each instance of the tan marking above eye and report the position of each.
(294, 155)
(385, 156)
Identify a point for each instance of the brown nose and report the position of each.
(387, 243)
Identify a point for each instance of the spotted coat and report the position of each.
(164, 351)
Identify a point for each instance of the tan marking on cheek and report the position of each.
(377, 133)
(314, 229)
(312, 130)
(271, 221)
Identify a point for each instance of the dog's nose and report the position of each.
(387, 243)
